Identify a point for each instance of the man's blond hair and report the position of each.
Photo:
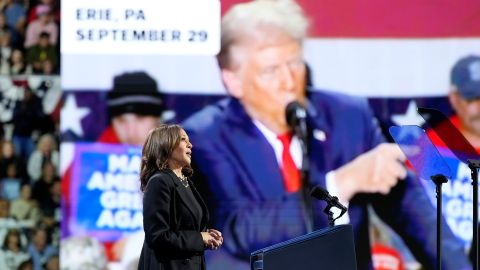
(285, 16)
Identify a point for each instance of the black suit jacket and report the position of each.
(172, 231)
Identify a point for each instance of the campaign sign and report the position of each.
(106, 198)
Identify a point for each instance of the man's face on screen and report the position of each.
(269, 75)
(133, 129)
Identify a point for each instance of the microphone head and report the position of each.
(319, 193)
(294, 112)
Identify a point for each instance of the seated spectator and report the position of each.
(8, 157)
(39, 249)
(6, 221)
(48, 68)
(42, 56)
(41, 188)
(27, 113)
(15, 39)
(26, 265)
(46, 153)
(15, 15)
(50, 206)
(4, 210)
(44, 23)
(25, 209)
(82, 252)
(5, 52)
(12, 253)
(10, 185)
(17, 63)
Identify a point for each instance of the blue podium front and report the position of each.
(329, 248)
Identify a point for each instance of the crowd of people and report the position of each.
(29, 151)
(29, 37)
(29, 189)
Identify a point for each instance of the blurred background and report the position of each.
(30, 102)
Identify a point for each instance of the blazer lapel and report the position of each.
(183, 197)
(252, 151)
(206, 215)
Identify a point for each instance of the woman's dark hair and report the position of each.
(7, 236)
(25, 265)
(156, 151)
(21, 50)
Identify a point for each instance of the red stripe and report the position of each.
(390, 18)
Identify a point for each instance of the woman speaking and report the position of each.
(174, 214)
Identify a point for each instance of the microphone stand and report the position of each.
(305, 175)
(329, 213)
(296, 116)
(439, 179)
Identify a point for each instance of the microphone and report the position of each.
(322, 194)
(296, 116)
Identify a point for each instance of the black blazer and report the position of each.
(172, 231)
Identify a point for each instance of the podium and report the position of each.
(329, 248)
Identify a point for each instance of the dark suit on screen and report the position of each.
(252, 208)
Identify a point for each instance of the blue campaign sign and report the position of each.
(105, 193)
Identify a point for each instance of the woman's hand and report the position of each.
(212, 239)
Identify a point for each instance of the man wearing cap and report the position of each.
(464, 97)
(134, 107)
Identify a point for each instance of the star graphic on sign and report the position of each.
(72, 115)
(411, 117)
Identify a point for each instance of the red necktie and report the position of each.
(291, 175)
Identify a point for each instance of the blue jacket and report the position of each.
(248, 201)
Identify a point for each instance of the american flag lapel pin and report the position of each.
(319, 135)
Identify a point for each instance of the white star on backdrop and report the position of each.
(72, 115)
(411, 117)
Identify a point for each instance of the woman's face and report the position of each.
(7, 149)
(13, 241)
(46, 146)
(26, 192)
(48, 172)
(40, 239)
(182, 154)
(17, 56)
